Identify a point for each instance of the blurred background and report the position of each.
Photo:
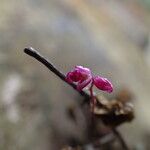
(110, 37)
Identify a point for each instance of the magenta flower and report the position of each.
(83, 77)
(103, 84)
(80, 75)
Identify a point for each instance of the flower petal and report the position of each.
(68, 77)
(83, 84)
(73, 76)
(83, 69)
(103, 84)
(80, 75)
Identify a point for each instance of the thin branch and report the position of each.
(35, 54)
(121, 139)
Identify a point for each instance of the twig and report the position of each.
(120, 138)
(34, 53)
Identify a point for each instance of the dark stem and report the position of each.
(92, 101)
(34, 53)
(92, 104)
(121, 139)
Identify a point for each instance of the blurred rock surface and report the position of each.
(110, 37)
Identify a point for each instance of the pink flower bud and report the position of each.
(80, 75)
(103, 84)
(83, 77)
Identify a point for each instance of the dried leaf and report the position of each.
(116, 111)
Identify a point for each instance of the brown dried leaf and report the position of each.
(116, 111)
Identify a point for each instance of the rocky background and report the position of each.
(110, 37)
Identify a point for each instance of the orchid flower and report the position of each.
(83, 77)
(80, 75)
